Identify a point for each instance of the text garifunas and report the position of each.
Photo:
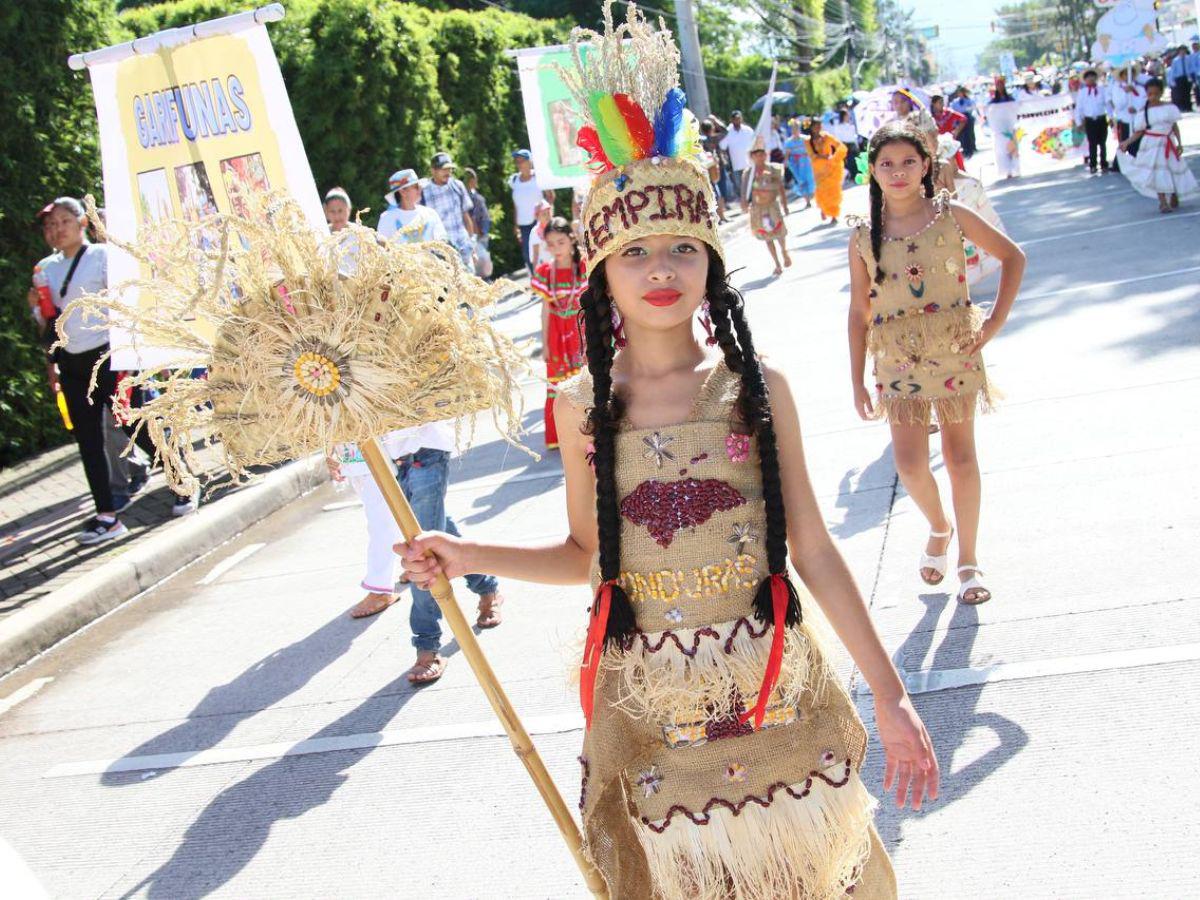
(196, 110)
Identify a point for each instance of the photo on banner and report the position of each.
(551, 118)
(184, 133)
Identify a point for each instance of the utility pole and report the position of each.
(849, 20)
(693, 64)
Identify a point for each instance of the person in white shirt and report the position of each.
(1091, 111)
(1126, 99)
(526, 194)
(405, 220)
(84, 374)
(737, 142)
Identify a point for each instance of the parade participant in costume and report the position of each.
(1158, 169)
(949, 122)
(1091, 112)
(799, 162)
(911, 310)
(768, 204)
(1127, 99)
(827, 153)
(721, 755)
(559, 284)
(1002, 120)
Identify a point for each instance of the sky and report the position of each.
(965, 30)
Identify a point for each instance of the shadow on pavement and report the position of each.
(235, 825)
(950, 715)
(260, 687)
(863, 511)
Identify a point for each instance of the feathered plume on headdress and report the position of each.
(626, 85)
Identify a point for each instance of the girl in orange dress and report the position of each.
(559, 285)
(828, 162)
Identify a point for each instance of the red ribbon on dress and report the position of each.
(779, 607)
(1169, 148)
(593, 649)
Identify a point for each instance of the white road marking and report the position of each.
(19, 881)
(22, 694)
(932, 680)
(1075, 234)
(341, 504)
(229, 562)
(920, 682)
(1096, 285)
(534, 725)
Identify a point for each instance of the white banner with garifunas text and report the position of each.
(1045, 132)
(182, 131)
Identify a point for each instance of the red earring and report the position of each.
(618, 328)
(706, 323)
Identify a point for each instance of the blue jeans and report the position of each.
(424, 477)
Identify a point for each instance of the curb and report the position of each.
(26, 633)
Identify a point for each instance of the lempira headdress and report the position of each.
(642, 141)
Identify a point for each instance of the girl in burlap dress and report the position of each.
(722, 756)
(768, 203)
(911, 310)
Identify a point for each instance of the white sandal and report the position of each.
(972, 584)
(939, 564)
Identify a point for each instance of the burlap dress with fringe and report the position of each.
(679, 798)
(922, 318)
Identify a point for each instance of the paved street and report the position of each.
(234, 734)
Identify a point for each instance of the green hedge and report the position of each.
(47, 148)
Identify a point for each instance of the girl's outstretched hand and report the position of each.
(911, 763)
(862, 402)
(433, 553)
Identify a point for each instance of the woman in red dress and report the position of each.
(559, 284)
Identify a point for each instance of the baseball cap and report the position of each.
(522, 154)
(736, 112)
(67, 203)
(441, 161)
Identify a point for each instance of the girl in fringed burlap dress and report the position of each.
(911, 310)
(722, 756)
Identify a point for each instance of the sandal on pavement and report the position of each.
(428, 668)
(973, 586)
(489, 611)
(372, 604)
(939, 564)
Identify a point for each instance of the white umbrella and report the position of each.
(876, 108)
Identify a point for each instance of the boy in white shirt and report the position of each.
(1091, 111)
(1126, 100)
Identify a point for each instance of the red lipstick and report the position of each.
(662, 297)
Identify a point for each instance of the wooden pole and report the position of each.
(384, 474)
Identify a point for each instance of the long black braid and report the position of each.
(732, 334)
(603, 419)
(892, 133)
(726, 306)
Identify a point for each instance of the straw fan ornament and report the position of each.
(320, 340)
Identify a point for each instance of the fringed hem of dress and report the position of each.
(811, 839)
(949, 410)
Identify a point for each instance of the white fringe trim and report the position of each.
(668, 686)
(807, 849)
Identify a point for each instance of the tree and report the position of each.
(47, 149)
